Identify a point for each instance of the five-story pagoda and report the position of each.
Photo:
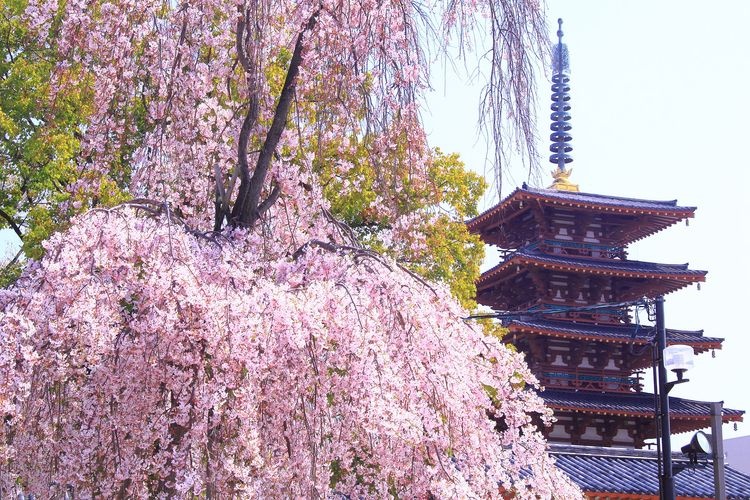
(566, 288)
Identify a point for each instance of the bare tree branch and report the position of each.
(240, 41)
(12, 224)
(268, 202)
(246, 208)
(249, 34)
(11, 262)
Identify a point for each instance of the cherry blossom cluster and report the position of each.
(170, 96)
(139, 358)
(147, 357)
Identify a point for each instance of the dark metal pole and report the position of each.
(717, 447)
(667, 479)
(657, 414)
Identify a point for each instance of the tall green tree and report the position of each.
(39, 133)
(43, 120)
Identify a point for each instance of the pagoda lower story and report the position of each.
(593, 378)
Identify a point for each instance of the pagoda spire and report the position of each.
(560, 116)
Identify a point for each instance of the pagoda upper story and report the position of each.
(563, 248)
(601, 226)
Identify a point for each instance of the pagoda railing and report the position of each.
(568, 248)
(581, 249)
(590, 380)
(610, 315)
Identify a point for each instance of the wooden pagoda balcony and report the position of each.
(569, 311)
(571, 249)
(578, 249)
(587, 379)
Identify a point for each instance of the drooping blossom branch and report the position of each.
(143, 357)
(138, 360)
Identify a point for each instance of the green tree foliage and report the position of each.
(40, 132)
(426, 231)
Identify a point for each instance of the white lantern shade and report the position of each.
(701, 442)
(678, 357)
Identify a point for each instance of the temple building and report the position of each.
(572, 302)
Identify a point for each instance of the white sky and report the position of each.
(660, 111)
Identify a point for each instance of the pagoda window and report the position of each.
(563, 236)
(569, 246)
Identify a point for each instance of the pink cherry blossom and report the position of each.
(148, 356)
(142, 359)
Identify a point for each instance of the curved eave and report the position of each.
(650, 232)
(634, 404)
(674, 415)
(668, 216)
(700, 345)
(728, 415)
(686, 277)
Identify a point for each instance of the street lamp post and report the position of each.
(667, 478)
(676, 358)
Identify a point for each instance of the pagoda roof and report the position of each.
(637, 334)
(637, 404)
(636, 472)
(601, 200)
(663, 213)
(676, 276)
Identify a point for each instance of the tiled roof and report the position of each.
(597, 266)
(625, 471)
(611, 201)
(615, 333)
(636, 404)
(587, 200)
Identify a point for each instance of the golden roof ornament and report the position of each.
(562, 181)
